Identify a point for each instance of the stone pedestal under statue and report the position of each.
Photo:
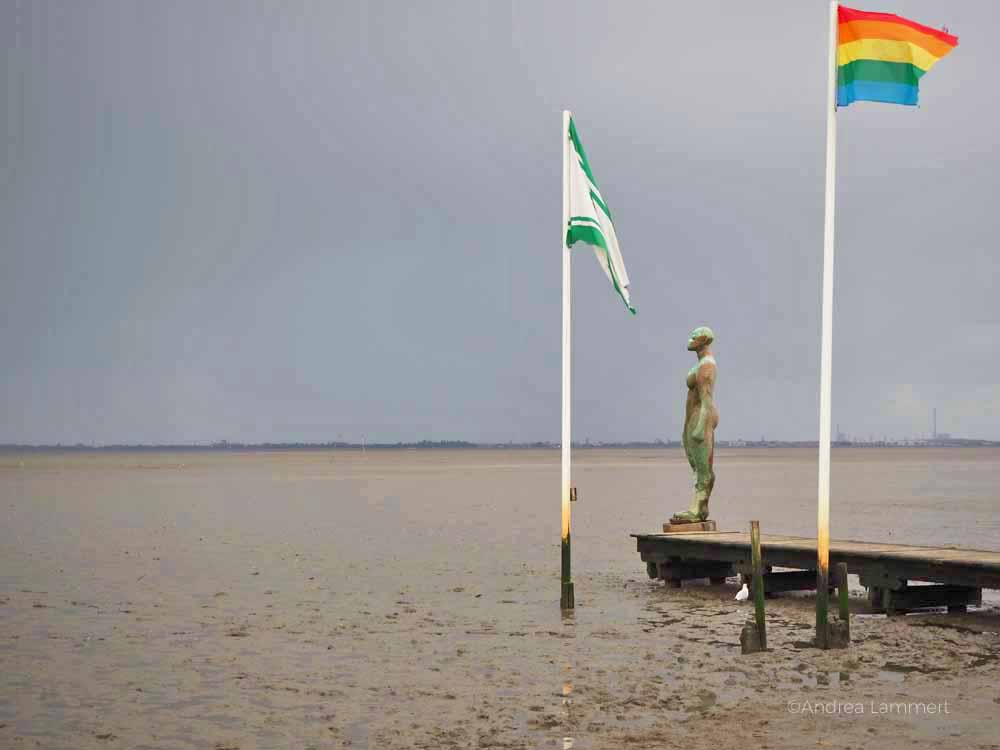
(688, 526)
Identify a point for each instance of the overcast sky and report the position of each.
(329, 220)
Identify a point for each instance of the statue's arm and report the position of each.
(706, 386)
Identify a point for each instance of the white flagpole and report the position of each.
(826, 346)
(567, 599)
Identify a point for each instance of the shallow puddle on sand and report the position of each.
(357, 733)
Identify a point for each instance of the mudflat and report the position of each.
(398, 599)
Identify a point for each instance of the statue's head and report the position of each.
(701, 336)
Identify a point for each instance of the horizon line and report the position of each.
(224, 445)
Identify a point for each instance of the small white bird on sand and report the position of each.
(743, 594)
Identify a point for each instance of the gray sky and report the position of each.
(322, 221)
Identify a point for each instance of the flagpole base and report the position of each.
(568, 598)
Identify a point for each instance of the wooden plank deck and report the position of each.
(882, 565)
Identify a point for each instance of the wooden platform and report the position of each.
(886, 569)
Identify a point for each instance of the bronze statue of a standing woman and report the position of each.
(700, 420)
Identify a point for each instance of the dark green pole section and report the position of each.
(758, 583)
(822, 606)
(567, 600)
(845, 606)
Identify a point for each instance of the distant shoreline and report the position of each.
(464, 445)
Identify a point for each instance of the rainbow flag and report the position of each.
(881, 56)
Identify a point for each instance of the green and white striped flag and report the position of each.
(590, 221)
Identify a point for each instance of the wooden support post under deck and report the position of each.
(845, 605)
(758, 583)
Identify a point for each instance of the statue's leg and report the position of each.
(710, 442)
(698, 454)
(687, 450)
(705, 479)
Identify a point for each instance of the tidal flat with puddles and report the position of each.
(396, 599)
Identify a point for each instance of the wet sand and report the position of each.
(410, 599)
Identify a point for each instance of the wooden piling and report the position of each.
(758, 583)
